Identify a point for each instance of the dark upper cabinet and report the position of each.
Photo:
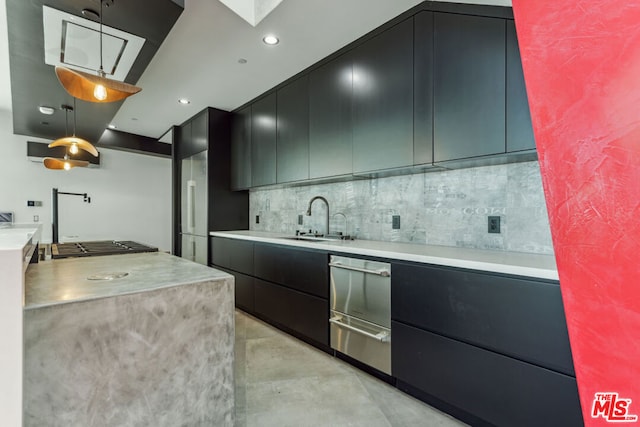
(423, 89)
(241, 149)
(263, 141)
(330, 148)
(292, 150)
(519, 129)
(200, 132)
(469, 86)
(193, 136)
(383, 100)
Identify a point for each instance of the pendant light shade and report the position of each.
(92, 87)
(66, 163)
(73, 142)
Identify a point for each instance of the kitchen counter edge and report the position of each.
(514, 263)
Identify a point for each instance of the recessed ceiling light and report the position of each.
(242, 61)
(112, 127)
(184, 101)
(271, 40)
(46, 110)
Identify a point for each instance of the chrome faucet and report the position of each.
(326, 203)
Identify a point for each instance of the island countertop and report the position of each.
(67, 280)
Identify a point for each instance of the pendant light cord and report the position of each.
(101, 69)
(74, 116)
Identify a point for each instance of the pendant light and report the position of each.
(91, 87)
(66, 163)
(73, 142)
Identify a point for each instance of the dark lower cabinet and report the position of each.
(299, 269)
(516, 316)
(245, 294)
(300, 312)
(232, 254)
(487, 386)
(286, 286)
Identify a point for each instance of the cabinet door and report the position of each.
(244, 291)
(519, 128)
(303, 313)
(232, 254)
(519, 317)
(263, 141)
(293, 131)
(495, 388)
(184, 141)
(469, 86)
(241, 149)
(330, 147)
(423, 88)
(383, 100)
(300, 269)
(200, 132)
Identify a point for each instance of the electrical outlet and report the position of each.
(494, 224)
(300, 219)
(257, 219)
(395, 222)
(36, 218)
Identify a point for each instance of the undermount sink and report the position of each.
(309, 238)
(330, 238)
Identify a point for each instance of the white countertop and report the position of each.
(66, 280)
(16, 236)
(516, 263)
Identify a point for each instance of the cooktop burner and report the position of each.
(97, 248)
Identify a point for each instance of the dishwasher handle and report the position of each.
(380, 336)
(383, 273)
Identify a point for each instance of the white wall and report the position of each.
(130, 193)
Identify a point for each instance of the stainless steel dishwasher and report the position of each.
(360, 318)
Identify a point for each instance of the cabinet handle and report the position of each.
(383, 273)
(382, 336)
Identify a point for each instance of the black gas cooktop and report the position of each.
(97, 248)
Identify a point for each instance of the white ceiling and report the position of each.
(199, 58)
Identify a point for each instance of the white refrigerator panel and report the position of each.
(194, 248)
(194, 194)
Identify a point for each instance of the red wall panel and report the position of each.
(581, 61)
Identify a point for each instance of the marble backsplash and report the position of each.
(448, 208)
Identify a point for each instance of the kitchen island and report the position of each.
(152, 347)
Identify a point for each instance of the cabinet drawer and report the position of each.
(236, 255)
(300, 312)
(303, 270)
(244, 292)
(518, 317)
(498, 389)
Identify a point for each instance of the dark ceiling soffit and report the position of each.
(40, 150)
(132, 143)
(34, 83)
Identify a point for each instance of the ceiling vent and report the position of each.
(74, 42)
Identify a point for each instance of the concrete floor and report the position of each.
(281, 381)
